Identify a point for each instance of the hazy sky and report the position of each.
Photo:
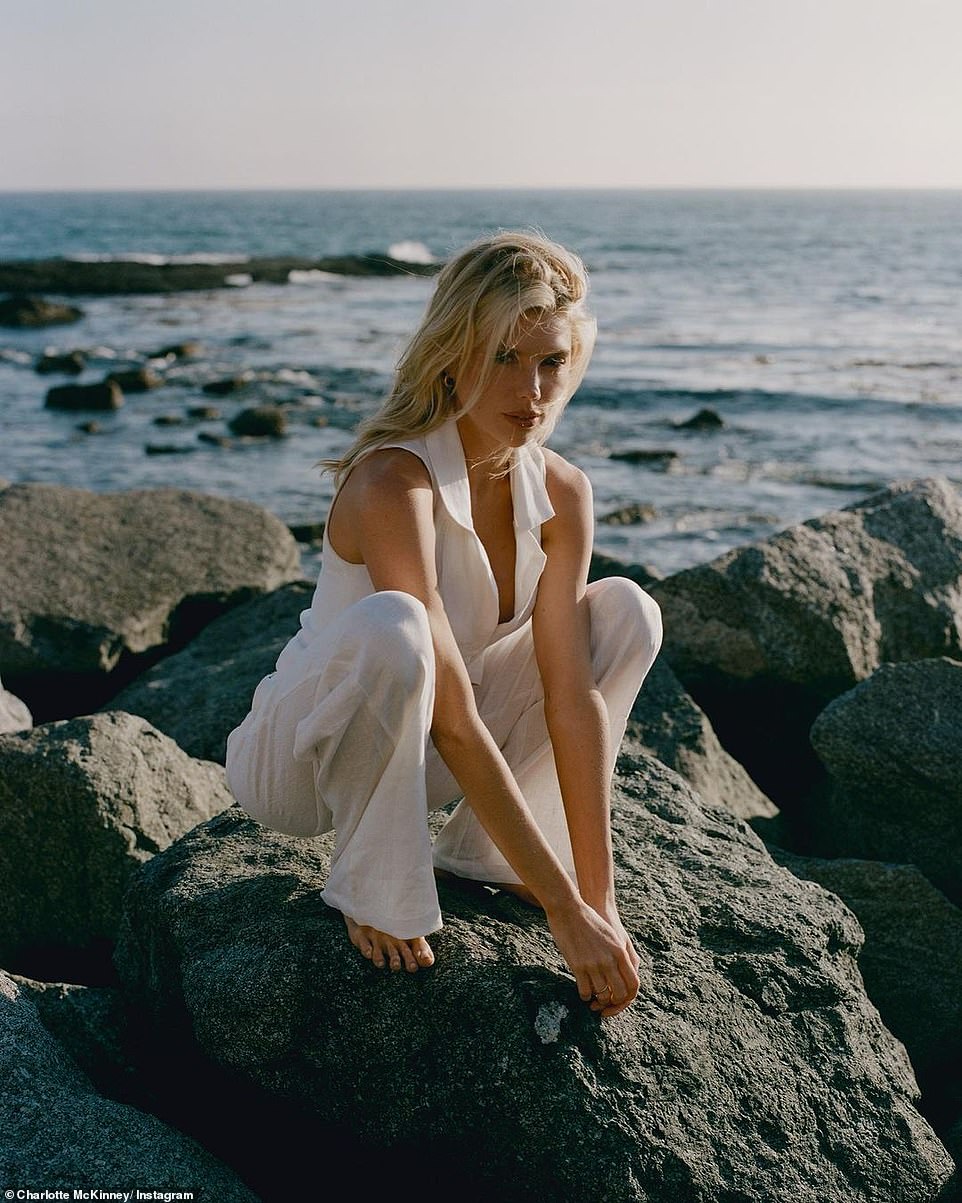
(501, 93)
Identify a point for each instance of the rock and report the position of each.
(199, 695)
(911, 964)
(14, 714)
(764, 636)
(893, 750)
(29, 311)
(602, 566)
(82, 804)
(704, 419)
(666, 723)
(222, 388)
(169, 420)
(71, 362)
(752, 1067)
(203, 413)
(92, 581)
(263, 421)
(658, 456)
(185, 350)
(56, 1131)
(105, 395)
(70, 277)
(92, 426)
(308, 532)
(629, 515)
(215, 440)
(136, 380)
(168, 449)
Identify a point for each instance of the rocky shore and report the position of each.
(176, 1002)
(73, 277)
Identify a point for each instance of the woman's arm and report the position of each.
(575, 711)
(384, 518)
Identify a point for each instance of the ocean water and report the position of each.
(824, 328)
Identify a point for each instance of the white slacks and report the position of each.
(345, 742)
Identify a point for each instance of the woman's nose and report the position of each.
(531, 385)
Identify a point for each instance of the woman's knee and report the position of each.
(393, 634)
(622, 611)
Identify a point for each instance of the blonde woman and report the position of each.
(453, 648)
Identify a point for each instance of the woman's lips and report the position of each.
(525, 421)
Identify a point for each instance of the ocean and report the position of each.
(823, 328)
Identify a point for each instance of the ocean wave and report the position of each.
(154, 260)
(410, 251)
(312, 275)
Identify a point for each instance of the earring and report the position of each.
(449, 383)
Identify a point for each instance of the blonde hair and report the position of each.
(481, 297)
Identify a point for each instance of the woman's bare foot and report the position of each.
(382, 949)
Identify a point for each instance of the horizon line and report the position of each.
(492, 188)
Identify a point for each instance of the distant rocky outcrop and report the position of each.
(893, 750)
(82, 804)
(94, 581)
(766, 635)
(751, 1067)
(104, 394)
(57, 1132)
(71, 277)
(30, 311)
(199, 695)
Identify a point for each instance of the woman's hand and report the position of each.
(599, 953)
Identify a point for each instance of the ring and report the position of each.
(607, 990)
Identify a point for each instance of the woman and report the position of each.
(453, 648)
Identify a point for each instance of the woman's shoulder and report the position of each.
(568, 486)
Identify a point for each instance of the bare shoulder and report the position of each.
(568, 487)
(386, 475)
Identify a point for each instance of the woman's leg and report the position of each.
(625, 639)
(340, 739)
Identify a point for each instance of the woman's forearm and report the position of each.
(578, 729)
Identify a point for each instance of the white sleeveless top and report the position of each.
(465, 581)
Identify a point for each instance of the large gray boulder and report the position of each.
(893, 749)
(199, 695)
(911, 964)
(92, 580)
(82, 804)
(57, 1133)
(667, 723)
(751, 1067)
(766, 635)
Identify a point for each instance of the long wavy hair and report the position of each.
(481, 297)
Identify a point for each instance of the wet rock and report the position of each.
(893, 750)
(185, 350)
(168, 449)
(704, 419)
(90, 427)
(203, 413)
(105, 395)
(630, 515)
(262, 421)
(308, 532)
(766, 635)
(58, 1132)
(911, 964)
(136, 380)
(71, 363)
(30, 311)
(216, 440)
(666, 723)
(14, 714)
(199, 695)
(226, 386)
(658, 456)
(169, 420)
(92, 581)
(82, 804)
(752, 1066)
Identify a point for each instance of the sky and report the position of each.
(107, 94)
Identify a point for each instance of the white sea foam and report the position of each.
(312, 276)
(409, 251)
(153, 260)
(239, 279)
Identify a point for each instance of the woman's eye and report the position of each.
(556, 361)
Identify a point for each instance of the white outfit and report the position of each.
(339, 735)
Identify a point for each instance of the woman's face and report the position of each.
(526, 380)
